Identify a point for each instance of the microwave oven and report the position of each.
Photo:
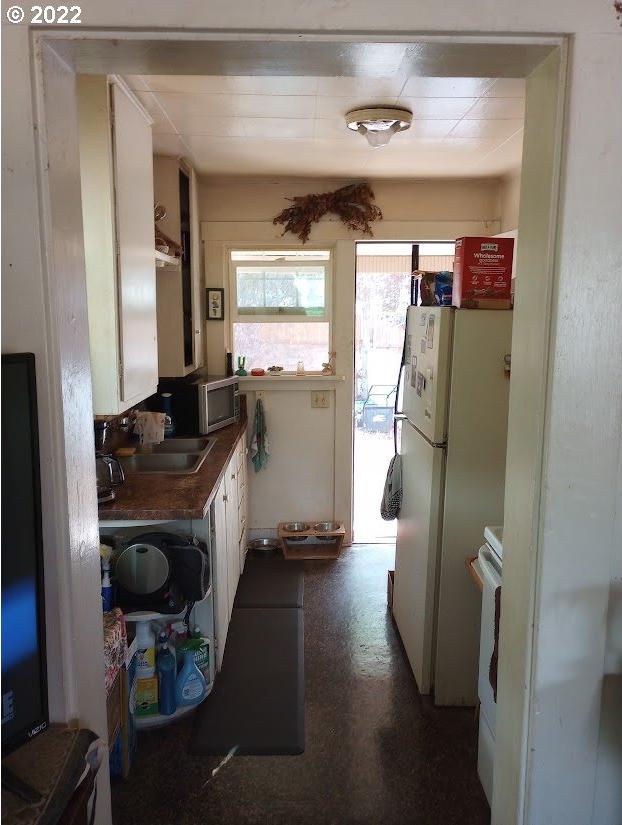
(201, 404)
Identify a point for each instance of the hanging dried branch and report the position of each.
(352, 203)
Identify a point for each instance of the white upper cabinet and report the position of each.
(116, 165)
(179, 288)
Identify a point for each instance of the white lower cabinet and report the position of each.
(229, 532)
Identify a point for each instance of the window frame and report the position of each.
(277, 317)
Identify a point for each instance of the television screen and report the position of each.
(24, 684)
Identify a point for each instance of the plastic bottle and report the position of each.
(201, 647)
(167, 409)
(107, 600)
(190, 684)
(167, 674)
(145, 642)
(105, 552)
(179, 636)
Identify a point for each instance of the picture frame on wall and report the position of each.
(215, 303)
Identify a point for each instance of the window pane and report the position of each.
(282, 344)
(283, 290)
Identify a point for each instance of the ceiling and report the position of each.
(294, 125)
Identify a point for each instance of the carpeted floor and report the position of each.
(376, 753)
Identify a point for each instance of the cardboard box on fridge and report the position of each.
(483, 273)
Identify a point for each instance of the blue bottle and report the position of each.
(166, 669)
(167, 409)
(190, 684)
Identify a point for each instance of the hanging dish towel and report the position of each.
(260, 447)
(392, 495)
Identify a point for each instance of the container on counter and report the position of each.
(483, 273)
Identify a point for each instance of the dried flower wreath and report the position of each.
(352, 203)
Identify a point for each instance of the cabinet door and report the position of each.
(233, 538)
(133, 183)
(221, 573)
(198, 311)
(242, 501)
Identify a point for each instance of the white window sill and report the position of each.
(309, 381)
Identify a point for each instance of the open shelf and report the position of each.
(154, 616)
(159, 720)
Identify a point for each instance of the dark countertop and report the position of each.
(159, 496)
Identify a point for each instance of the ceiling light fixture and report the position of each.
(379, 125)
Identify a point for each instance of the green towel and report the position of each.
(260, 446)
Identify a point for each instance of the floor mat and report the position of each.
(271, 583)
(257, 705)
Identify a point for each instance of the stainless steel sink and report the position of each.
(175, 456)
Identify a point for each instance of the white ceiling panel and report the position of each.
(437, 108)
(279, 127)
(497, 108)
(446, 86)
(466, 128)
(230, 105)
(360, 87)
(268, 125)
(507, 87)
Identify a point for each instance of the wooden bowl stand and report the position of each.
(311, 548)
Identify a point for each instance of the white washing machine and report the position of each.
(490, 560)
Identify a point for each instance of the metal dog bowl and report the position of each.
(296, 527)
(327, 526)
(264, 547)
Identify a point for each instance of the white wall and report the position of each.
(583, 418)
(509, 199)
(309, 475)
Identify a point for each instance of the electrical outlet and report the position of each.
(320, 399)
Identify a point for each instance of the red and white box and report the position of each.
(483, 273)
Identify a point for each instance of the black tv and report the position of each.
(24, 677)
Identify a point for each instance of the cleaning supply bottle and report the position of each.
(179, 636)
(190, 684)
(107, 596)
(107, 600)
(201, 647)
(167, 673)
(145, 642)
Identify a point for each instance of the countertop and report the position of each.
(146, 496)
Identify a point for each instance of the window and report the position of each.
(281, 308)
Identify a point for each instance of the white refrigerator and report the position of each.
(453, 444)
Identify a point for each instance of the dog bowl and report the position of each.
(261, 548)
(296, 527)
(263, 544)
(326, 526)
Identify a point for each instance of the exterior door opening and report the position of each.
(383, 294)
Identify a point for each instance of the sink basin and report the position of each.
(179, 445)
(176, 456)
(162, 462)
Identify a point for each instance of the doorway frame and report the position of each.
(63, 268)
